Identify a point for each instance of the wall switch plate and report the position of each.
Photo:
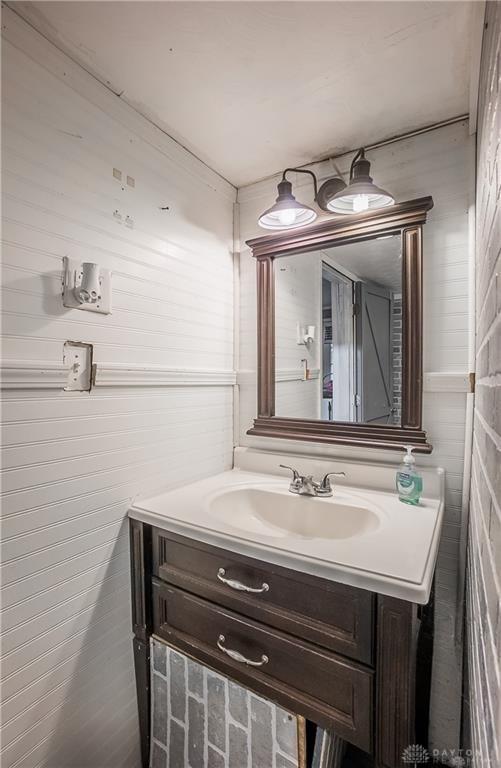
(77, 357)
(72, 278)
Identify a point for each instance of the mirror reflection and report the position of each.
(338, 333)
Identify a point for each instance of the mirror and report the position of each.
(339, 330)
(338, 333)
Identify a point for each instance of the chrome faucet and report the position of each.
(305, 485)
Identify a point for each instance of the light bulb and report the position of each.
(360, 203)
(287, 217)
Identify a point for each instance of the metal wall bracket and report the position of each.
(72, 281)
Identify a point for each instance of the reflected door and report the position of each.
(374, 397)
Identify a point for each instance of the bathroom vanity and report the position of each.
(318, 604)
(325, 620)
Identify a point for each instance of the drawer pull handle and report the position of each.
(236, 656)
(239, 586)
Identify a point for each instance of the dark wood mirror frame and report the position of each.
(405, 219)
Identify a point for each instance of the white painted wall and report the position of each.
(297, 301)
(438, 164)
(73, 461)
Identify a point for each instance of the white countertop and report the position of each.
(396, 559)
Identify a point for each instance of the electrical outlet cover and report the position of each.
(78, 357)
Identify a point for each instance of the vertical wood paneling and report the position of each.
(437, 164)
(73, 461)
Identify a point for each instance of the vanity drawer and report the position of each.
(311, 681)
(333, 615)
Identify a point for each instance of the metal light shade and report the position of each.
(287, 212)
(361, 194)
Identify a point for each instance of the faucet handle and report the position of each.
(326, 483)
(296, 481)
(295, 473)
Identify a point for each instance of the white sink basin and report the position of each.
(271, 512)
(363, 536)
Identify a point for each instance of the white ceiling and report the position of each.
(253, 87)
(375, 261)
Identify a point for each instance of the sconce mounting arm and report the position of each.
(302, 170)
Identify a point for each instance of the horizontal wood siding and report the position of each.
(73, 461)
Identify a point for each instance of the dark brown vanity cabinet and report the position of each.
(341, 657)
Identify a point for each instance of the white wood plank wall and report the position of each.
(437, 163)
(73, 461)
(297, 300)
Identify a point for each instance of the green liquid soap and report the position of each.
(408, 480)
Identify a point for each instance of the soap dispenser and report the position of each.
(408, 480)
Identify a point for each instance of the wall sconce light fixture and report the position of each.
(361, 194)
(86, 286)
(333, 196)
(305, 334)
(287, 212)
